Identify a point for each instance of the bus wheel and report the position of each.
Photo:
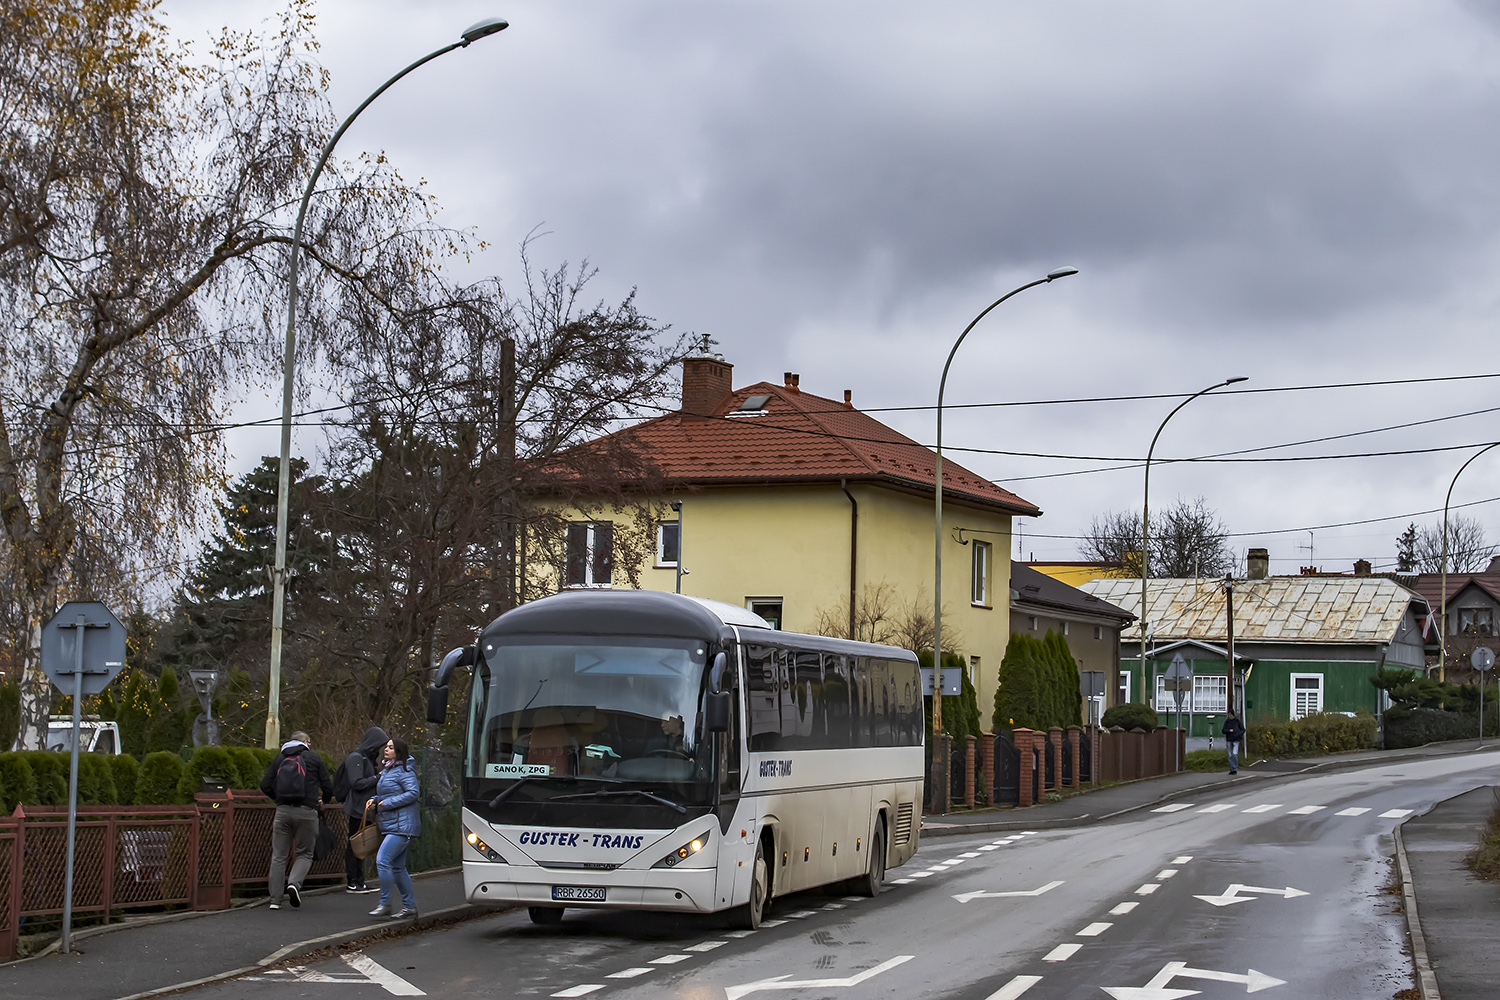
(750, 915)
(870, 882)
(546, 916)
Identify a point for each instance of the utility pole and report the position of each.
(507, 568)
(1239, 709)
(677, 506)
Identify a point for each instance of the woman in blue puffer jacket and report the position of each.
(396, 813)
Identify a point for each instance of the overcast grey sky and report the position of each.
(1299, 193)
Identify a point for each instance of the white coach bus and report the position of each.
(653, 751)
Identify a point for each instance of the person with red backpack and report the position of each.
(298, 782)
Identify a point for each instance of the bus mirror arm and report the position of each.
(716, 712)
(437, 694)
(716, 674)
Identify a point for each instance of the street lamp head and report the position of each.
(1237, 378)
(1060, 272)
(484, 29)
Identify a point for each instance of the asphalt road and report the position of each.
(1297, 871)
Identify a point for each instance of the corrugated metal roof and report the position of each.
(1278, 609)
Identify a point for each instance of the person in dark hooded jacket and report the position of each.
(362, 768)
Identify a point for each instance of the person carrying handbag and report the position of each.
(396, 810)
(361, 771)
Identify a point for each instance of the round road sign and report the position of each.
(1482, 658)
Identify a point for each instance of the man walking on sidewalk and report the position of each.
(298, 782)
(361, 770)
(1234, 733)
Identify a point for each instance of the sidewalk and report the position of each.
(1117, 800)
(1455, 918)
(136, 957)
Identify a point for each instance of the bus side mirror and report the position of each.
(437, 694)
(716, 712)
(716, 674)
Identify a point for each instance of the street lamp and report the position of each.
(937, 546)
(1443, 605)
(1146, 514)
(476, 31)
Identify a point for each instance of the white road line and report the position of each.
(902, 881)
(1182, 859)
(1264, 807)
(673, 959)
(1395, 813)
(579, 991)
(1352, 811)
(1062, 952)
(802, 913)
(921, 874)
(854, 899)
(705, 946)
(739, 934)
(639, 970)
(845, 906)
(772, 923)
(1095, 929)
(1123, 908)
(1166, 873)
(1305, 810)
(955, 861)
(971, 854)
(1028, 833)
(1174, 807)
(1147, 889)
(1014, 988)
(1221, 807)
(381, 976)
(990, 847)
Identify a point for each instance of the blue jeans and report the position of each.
(1234, 754)
(390, 862)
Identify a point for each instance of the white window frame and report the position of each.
(588, 558)
(1123, 691)
(1098, 631)
(1214, 699)
(973, 669)
(780, 623)
(662, 562)
(1296, 714)
(1473, 615)
(979, 584)
(1064, 626)
(1031, 622)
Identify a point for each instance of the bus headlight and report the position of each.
(682, 853)
(479, 845)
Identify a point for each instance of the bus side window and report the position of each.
(763, 697)
(809, 726)
(861, 702)
(835, 692)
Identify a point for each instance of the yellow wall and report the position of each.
(792, 542)
(1076, 574)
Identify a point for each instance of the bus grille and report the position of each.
(903, 824)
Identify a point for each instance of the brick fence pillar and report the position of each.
(987, 766)
(1055, 741)
(1075, 741)
(1025, 740)
(969, 782)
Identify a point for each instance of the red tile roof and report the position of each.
(799, 437)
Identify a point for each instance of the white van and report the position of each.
(98, 736)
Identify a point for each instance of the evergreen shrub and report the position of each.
(215, 762)
(126, 771)
(248, 766)
(17, 781)
(161, 772)
(51, 770)
(1129, 716)
(1038, 685)
(1311, 735)
(96, 780)
(1415, 727)
(10, 713)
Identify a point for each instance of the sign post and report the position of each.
(1179, 678)
(1483, 658)
(83, 647)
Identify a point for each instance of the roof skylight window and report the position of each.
(753, 404)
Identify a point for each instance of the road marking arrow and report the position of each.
(964, 897)
(782, 983)
(1232, 895)
(1157, 988)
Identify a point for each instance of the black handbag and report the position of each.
(324, 845)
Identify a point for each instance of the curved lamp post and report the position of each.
(937, 546)
(1443, 606)
(1146, 513)
(473, 33)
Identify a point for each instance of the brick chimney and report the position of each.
(792, 381)
(705, 383)
(1362, 567)
(1257, 564)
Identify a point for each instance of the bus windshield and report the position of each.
(591, 722)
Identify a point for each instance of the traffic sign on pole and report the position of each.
(83, 648)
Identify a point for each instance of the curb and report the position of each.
(1426, 978)
(448, 915)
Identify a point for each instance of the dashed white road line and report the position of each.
(673, 959)
(1221, 807)
(1123, 908)
(971, 854)
(1095, 929)
(1264, 807)
(579, 991)
(772, 923)
(1014, 988)
(1182, 859)
(1352, 811)
(1395, 813)
(639, 970)
(1062, 952)
(1305, 810)
(1174, 807)
(1166, 873)
(702, 946)
(990, 847)
(902, 881)
(1147, 889)
(739, 934)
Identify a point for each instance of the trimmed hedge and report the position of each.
(1311, 736)
(1131, 715)
(215, 762)
(1414, 727)
(40, 778)
(126, 771)
(160, 774)
(1038, 684)
(17, 781)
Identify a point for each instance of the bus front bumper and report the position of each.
(687, 889)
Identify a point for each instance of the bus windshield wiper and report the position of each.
(505, 792)
(616, 793)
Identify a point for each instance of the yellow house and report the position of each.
(804, 509)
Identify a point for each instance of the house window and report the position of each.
(980, 592)
(1031, 622)
(1476, 621)
(668, 538)
(590, 554)
(1124, 687)
(1307, 694)
(1211, 693)
(768, 608)
(973, 670)
(1098, 631)
(1063, 626)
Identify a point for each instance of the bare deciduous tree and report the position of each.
(1467, 550)
(882, 615)
(1187, 539)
